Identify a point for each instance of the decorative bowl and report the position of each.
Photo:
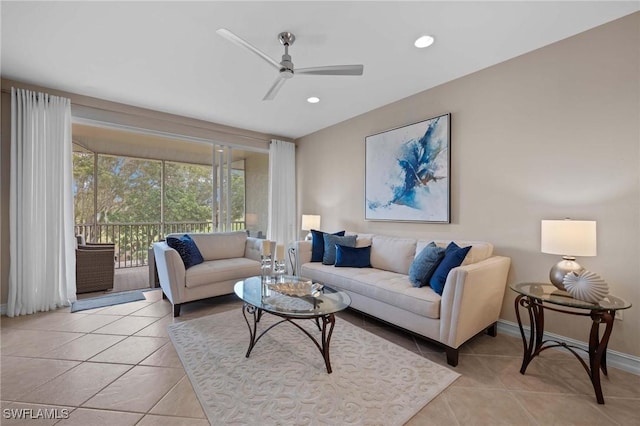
(297, 289)
(586, 286)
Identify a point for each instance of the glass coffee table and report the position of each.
(291, 298)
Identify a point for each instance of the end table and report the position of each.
(536, 297)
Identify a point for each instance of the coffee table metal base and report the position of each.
(322, 321)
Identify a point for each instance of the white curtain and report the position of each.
(282, 192)
(42, 241)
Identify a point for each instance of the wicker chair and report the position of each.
(94, 267)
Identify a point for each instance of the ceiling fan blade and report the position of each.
(225, 33)
(273, 91)
(332, 70)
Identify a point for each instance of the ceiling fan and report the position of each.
(285, 67)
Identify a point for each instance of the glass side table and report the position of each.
(536, 297)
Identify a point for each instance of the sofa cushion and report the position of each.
(425, 264)
(480, 250)
(385, 286)
(392, 253)
(317, 244)
(187, 249)
(353, 257)
(221, 245)
(213, 271)
(330, 242)
(453, 257)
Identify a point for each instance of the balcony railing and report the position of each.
(133, 240)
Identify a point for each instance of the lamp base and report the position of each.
(562, 268)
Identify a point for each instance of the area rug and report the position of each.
(284, 382)
(108, 300)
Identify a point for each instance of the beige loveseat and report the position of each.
(470, 303)
(228, 257)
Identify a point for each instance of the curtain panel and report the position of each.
(42, 242)
(282, 192)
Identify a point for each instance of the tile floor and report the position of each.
(116, 366)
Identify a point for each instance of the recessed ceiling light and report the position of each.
(313, 100)
(424, 41)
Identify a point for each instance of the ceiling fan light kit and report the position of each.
(285, 67)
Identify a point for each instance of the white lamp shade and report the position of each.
(310, 221)
(568, 237)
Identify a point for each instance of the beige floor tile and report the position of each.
(46, 320)
(85, 347)
(76, 385)
(131, 350)
(34, 343)
(137, 390)
(126, 325)
(90, 417)
(17, 413)
(504, 345)
(158, 328)
(20, 375)
(622, 410)
(535, 379)
(473, 406)
(180, 401)
(166, 356)
(85, 324)
(475, 374)
(125, 308)
(435, 413)
(572, 409)
(157, 309)
(153, 420)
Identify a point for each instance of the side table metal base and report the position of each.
(535, 344)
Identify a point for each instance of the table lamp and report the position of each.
(568, 238)
(309, 222)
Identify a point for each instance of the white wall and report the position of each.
(551, 134)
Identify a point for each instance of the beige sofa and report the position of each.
(470, 303)
(228, 257)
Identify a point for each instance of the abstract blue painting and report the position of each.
(407, 172)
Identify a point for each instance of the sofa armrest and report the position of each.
(171, 271)
(472, 299)
(302, 253)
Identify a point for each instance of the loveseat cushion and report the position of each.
(392, 253)
(386, 286)
(187, 249)
(221, 245)
(221, 270)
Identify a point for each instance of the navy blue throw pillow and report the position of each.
(187, 249)
(354, 257)
(317, 244)
(453, 257)
(330, 243)
(425, 264)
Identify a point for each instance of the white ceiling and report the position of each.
(166, 56)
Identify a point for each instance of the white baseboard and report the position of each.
(615, 359)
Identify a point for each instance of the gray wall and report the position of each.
(551, 134)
